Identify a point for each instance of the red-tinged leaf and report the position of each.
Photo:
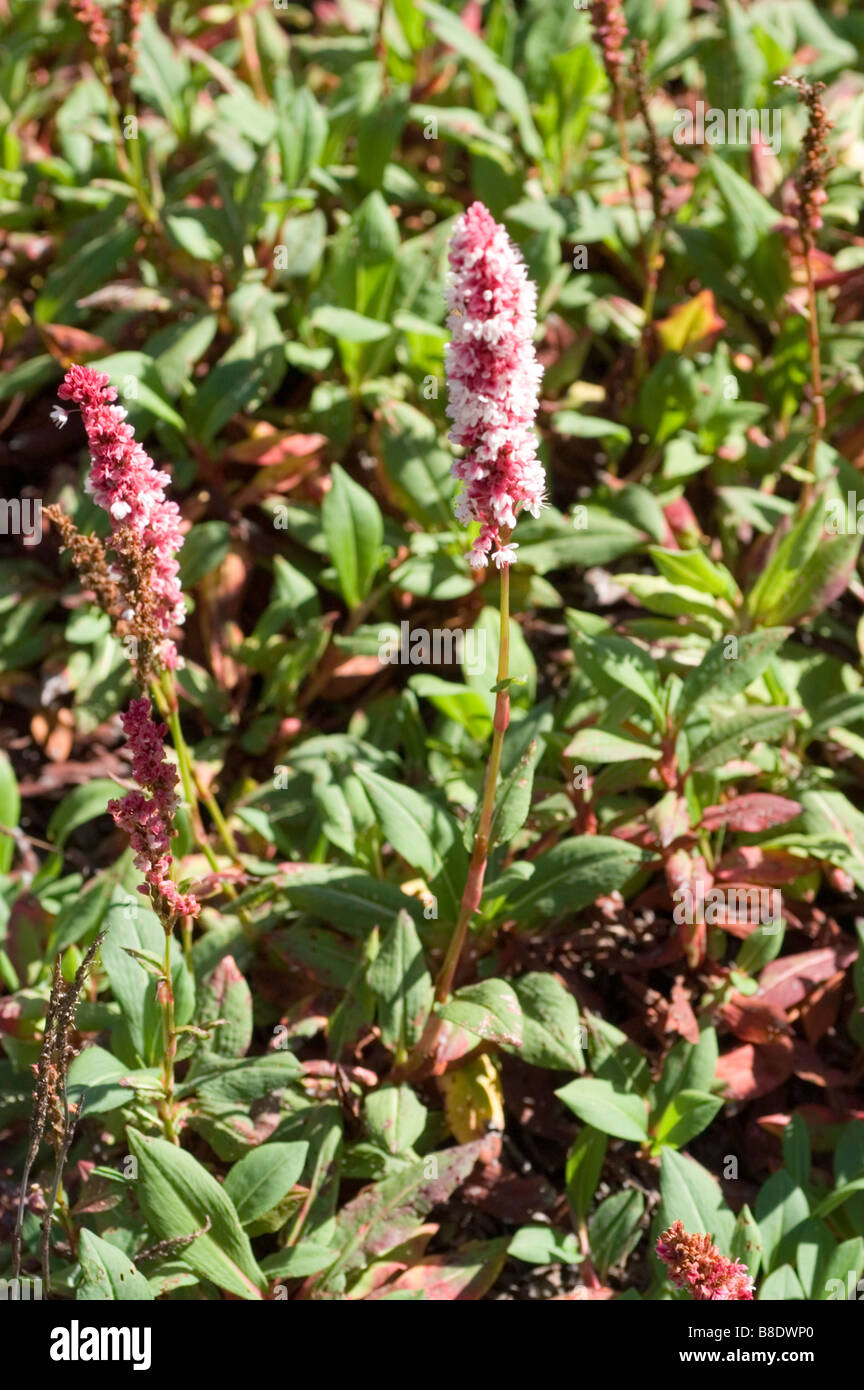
(757, 865)
(749, 1071)
(757, 811)
(70, 345)
(452, 1045)
(266, 450)
(693, 324)
(823, 1124)
(601, 1294)
(680, 1016)
(753, 1020)
(670, 818)
(504, 1195)
(820, 1009)
(808, 1065)
(388, 1213)
(785, 982)
(459, 1277)
(405, 1255)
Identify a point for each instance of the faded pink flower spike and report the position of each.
(695, 1263)
(493, 378)
(147, 815)
(126, 483)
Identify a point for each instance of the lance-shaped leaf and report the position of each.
(225, 995)
(354, 530)
(752, 725)
(726, 671)
(599, 1105)
(403, 985)
(106, 1273)
(179, 1197)
(386, 1215)
(567, 878)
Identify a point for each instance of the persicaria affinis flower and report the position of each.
(147, 815)
(126, 483)
(610, 30)
(493, 379)
(695, 1263)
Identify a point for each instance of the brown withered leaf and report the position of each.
(69, 345)
(754, 1020)
(819, 1010)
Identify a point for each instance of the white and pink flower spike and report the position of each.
(493, 378)
(124, 480)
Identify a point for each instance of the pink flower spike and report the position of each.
(695, 1263)
(147, 815)
(493, 378)
(125, 482)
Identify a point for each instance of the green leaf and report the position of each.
(781, 1286)
(399, 978)
(727, 670)
(614, 1229)
(178, 1197)
(354, 530)
(349, 326)
(796, 1151)
(204, 549)
(694, 570)
(394, 1118)
(622, 663)
(10, 811)
(568, 877)
(259, 1180)
(551, 1031)
(584, 1165)
(85, 803)
(490, 1010)
(688, 1067)
(510, 91)
(106, 1273)
(780, 1206)
(598, 1104)
(684, 1117)
(593, 745)
(746, 1241)
(690, 1194)
(545, 1245)
(130, 924)
(751, 218)
(416, 828)
(728, 739)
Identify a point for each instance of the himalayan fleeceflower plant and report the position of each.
(145, 525)
(147, 814)
(493, 378)
(695, 1263)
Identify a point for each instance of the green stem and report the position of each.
(649, 298)
(169, 1045)
(480, 853)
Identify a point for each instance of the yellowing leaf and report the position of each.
(690, 323)
(473, 1099)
